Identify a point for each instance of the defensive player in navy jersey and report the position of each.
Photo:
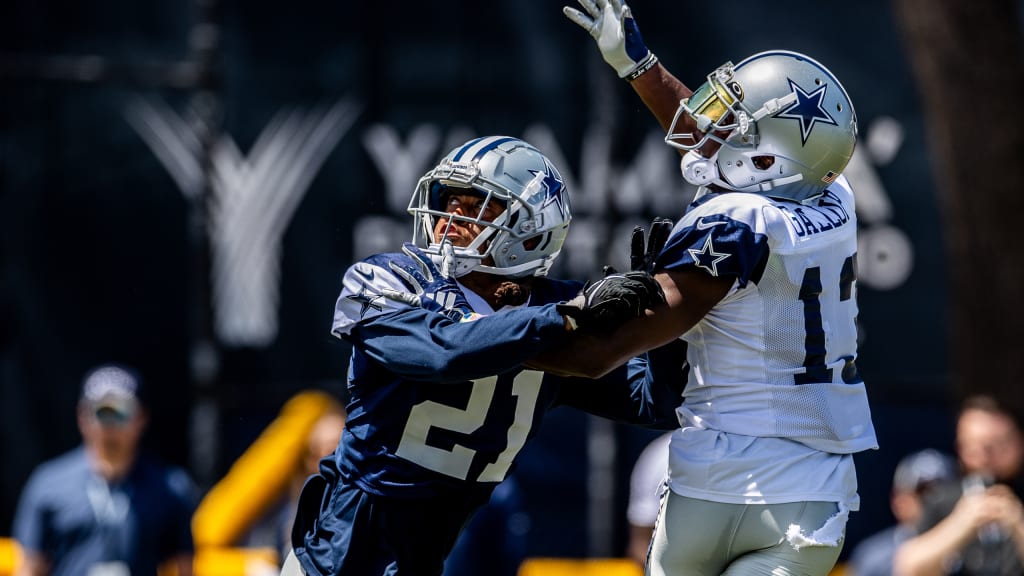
(760, 281)
(439, 403)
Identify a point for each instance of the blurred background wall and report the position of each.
(183, 184)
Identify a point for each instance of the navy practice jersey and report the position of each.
(436, 404)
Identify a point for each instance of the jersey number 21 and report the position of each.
(456, 463)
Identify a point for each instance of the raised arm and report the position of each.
(611, 24)
(661, 93)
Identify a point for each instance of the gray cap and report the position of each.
(924, 467)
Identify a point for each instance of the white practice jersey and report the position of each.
(774, 405)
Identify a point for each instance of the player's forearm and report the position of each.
(424, 345)
(585, 356)
(661, 92)
(592, 356)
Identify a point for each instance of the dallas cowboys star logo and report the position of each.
(366, 302)
(807, 109)
(552, 184)
(707, 258)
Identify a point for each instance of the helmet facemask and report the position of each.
(715, 107)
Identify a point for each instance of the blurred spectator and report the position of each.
(646, 486)
(974, 526)
(105, 508)
(915, 475)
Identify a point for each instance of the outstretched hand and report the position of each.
(618, 38)
(431, 288)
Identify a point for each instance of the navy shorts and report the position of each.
(346, 531)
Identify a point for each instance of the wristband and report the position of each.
(642, 67)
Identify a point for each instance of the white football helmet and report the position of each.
(786, 127)
(525, 239)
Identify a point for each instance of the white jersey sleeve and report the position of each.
(777, 356)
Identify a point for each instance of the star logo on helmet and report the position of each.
(552, 183)
(807, 109)
(707, 258)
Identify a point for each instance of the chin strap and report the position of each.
(513, 271)
(447, 264)
(701, 171)
(450, 263)
(771, 184)
(698, 170)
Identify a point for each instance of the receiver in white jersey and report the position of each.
(774, 403)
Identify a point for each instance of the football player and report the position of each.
(760, 281)
(440, 404)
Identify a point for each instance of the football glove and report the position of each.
(611, 24)
(604, 305)
(643, 254)
(432, 290)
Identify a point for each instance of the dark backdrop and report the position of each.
(98, 262)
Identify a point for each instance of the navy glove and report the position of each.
(432, 290)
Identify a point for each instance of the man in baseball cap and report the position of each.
(920, 470)
(107, 508)
(915, 475)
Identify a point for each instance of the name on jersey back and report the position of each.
(829, 213)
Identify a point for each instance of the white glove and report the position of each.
(611, 24)
(431, 289)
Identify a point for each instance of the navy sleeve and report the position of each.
(423, 345)
(720, 245)
(645, 391)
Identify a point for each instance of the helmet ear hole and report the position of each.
(763, 162)
(532, 242)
